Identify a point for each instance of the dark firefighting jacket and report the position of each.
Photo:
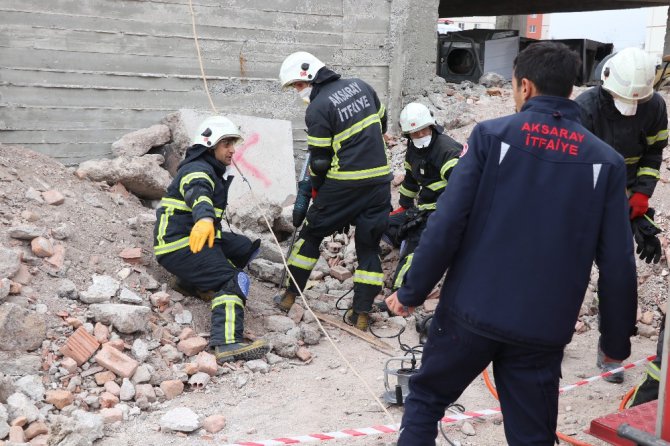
(198, 190)
(535, 199)
(640, 139)
(345, 124)
(427, 170)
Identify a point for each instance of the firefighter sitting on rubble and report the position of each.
(430, 158)
(626, 113)
(350, 176)
(189, 243)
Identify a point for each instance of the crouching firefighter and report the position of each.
(430, 158)
(349, 177)
(189, 243)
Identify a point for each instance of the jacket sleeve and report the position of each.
(442, 237)
(381, 110)
(409, 188)
(197, 188)
(648, 172)
(449, 158)
(617, 283)
(319, 142)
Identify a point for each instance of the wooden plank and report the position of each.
(367, 337)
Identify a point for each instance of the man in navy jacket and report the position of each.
(534, 200)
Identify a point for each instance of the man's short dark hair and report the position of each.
(551, 66)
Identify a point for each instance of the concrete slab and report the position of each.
(265, 158)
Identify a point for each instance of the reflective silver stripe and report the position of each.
(648, 171)
(448, 165)
(437, 185)
(192, 176)
(406, 192)
(368, 277)
(319, 142)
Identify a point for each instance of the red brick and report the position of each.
(172, 388)
(117, 344)
(303, 354)
(191, 368)
(59, 398)
(113, 388)
(35, 429)
(207, 363)
(16, 435)
(108, 400)
(214, 423)
(131, 255)
(80, 346)
(103, 377)
(119, 363)
(340, 273)
(186, 333)
(53, 197)
(192, 346)
(58, 257)
(69, 364)
(19, 421)
(101, 332)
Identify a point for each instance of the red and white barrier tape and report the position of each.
(391, 428)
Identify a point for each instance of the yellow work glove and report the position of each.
(203, 231)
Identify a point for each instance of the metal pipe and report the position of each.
(641, 438)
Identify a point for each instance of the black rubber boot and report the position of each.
(241, 351)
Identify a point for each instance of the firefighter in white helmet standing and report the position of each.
(350, 176)
(430, 158)
(627, 114)
(189, 242)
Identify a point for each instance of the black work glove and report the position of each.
(644, 233)
(302, 202)
(415, 219)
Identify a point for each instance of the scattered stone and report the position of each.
(180, 419)
(127, 390)
(80, 346)
(140, 350)
(468, 429)
(53, 197)
(16, 435)
(170, 353)
(13, 365)
(20, 329)
(296, 313)
(32, 386)
(492, 80)
(172, 388)
(284, 345)
(35, 429)
(145, 391)
(647, 317)
(117, 344)
(129, 297)
(186, 333)
(20, 421)
(119, 363)
(340, 273)
(214, 423)
(42, 247)
(143, 374)
(111, 415)
(646, 331)
(132, 255)
(192, 346)
(257, 365)
(160, 299)
(69, 364)
(310, 334)
(278, 323)
(10, 262)
(139, 142)
(125, 318)
(19, 405)
(5, 287)
(108, 399)
(35, 195)
(101, 332)
(206, 363)
(102, 290)
(67, 289)
(185, 317)
(113, 388)
(303, 354)
(104, 377)
(199, 380)
(25, 232)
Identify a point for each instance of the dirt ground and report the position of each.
(294, 398)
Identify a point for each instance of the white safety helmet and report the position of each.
(629, 75)
(300, 66)
(214, 129)
(415, 117)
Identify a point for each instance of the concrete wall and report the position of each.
(77, 75)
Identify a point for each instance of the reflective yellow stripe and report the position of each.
(437, 185)
(382, 111)
(406, 192)
(408, 166)
(660, 136)
(356, 128)
(300, 261)
(653, 371)
(648, 171)
(368, 277)
(359, 174)
(171, 247)
(227, 298)
(448, 165)
(632, 160)
(319, 142)
(192, 176)
(401, 275)
(182, 206)
(162, 227)
(428, 206)
(203, 199)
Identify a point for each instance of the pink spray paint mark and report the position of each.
(239, 158)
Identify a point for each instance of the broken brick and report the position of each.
(103, 377)
(58, 258)
(207, 363)
(119, 363)
(42, 247)
(108, 400)
(36, 428)
(340, 273)
(131, 255)
(192, 346)
(172, 388)
(53, 197)
(59, 398)
(80, 346)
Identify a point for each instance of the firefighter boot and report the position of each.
(358, 320)
(286, 301)
(616, 378)
(241, 351)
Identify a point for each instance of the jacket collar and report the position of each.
(323, 76)
(555, 106)
(199, 151)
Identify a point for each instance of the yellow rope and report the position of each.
(274, 237)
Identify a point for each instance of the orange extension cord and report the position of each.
(567, 439)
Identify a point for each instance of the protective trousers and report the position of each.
(647, 390)
(218, 269)
(406, 228)
(335, 207)
(527, 382)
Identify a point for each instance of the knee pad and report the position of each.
(243, 283)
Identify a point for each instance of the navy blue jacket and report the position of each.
(532, 203)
